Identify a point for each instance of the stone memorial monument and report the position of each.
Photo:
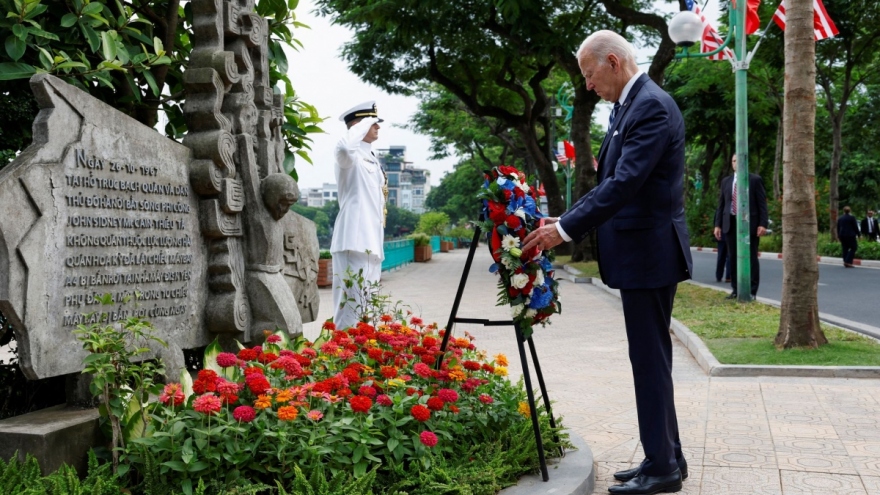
(196, 237)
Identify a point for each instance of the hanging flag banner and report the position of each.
(711, 39)
(823, 26)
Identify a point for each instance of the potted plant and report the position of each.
(325, 269)
(422, 246)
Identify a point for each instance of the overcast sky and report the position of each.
(322, 78)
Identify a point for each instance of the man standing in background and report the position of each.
(847, 232)
(869, 227)
(358, 236)
(725, 223)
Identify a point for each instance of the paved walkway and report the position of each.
(761, 436)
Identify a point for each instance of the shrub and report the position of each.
(325, 255)
(433, 223)
(420, 239)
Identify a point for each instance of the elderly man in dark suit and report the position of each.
(637, 209)
(848, 232)
(725, 223)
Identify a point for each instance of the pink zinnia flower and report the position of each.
(227, 387)
(173, 393)
(244, 414)
(486, 399)
(367, 390)
(448, 395)
(273, 339)
(384, 400)
(422, 369)
(207, 404)
(226, 359)
(315, 415)
(428, 439)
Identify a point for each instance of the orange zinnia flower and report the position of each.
(287, 413)
(263, 402)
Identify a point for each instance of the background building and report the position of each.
(317, 197)
(408, 186)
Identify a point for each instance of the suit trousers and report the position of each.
(849, 245)
(722, 264)
(647, 313)
(350, 302)
(730, 236)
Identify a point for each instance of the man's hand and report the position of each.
(761, 231)
(543, 238)
(718, 233)
(550, 220)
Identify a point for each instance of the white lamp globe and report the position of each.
(685, 28)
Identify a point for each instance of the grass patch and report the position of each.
(739, 333)
(588, 268)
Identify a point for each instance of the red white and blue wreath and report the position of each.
(510, 210)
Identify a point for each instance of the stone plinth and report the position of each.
(55, 435)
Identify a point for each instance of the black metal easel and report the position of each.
(520, 341)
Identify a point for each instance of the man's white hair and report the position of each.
(603, 43)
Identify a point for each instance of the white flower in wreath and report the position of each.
(523, 186)
(520, 213)
(539, 278)
(509, 242)
(516, 309)
(506, 262)
(519, 280)
(501, 181)
(530, 313)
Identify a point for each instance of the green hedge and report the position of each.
(868, 250)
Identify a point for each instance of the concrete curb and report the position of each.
(574, 474)
(713, 367)
(820, 259)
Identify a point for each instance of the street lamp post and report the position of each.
(685, 29)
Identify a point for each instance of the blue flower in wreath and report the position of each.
(546, 265)
(541, 297)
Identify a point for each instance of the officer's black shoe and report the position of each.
(628, 474)
(643, 484)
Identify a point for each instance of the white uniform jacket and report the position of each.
(359, 179)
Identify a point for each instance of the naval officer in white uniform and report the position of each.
(358, 233)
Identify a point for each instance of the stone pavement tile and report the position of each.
(739, 442)
(866, 466)
(862, 448)
(801, 430)
(798, 418)
(871, 434)
(817, 463)
(872, 484)
(811, 446)
(803, 483)
(759, 458)
(740, 481)
(728, 429)
(605, 474)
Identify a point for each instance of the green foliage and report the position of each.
(700, 216)
(400, 221)
(323, 218)
(420, 239)
(456, 196)
(121, 378)
(433, 223)
(130, 55)
(24, 478)
(340, 483)
(325, 255)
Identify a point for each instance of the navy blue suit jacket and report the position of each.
(638, 204)
(847, 226)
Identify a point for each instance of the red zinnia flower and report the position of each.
(244, 414)
(360, 404)
(429, 341)
(471, 365)
(422, 369)
(329, 325)
(367, 390)
(415, 320)
(420, 412)
(258, 384)
(267, 357)
(273, 339)
(384, 400)
(386, 318)
(435, 403)
(389, 371)
(309, 353)
(486, 399)
(248, 354)
(428, 439)
(207, 404)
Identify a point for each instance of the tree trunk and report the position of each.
(777, 162)
(544, 167)
(706, 167)
(585, 176)
(799, 319)
(836, 151)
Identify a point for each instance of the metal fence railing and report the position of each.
(398, 253)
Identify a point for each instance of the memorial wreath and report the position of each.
(510, 213)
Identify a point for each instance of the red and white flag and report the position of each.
(711, 39)
(823, 26)
(561, 158)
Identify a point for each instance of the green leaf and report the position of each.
(92, 8)
(304, 155)
(35, 11)
(158, 49)
(175, 465)
(108, 44)
(392, 444)
(186, 382)
(151, 81)
(211, 352)
(92, 37)
(43, 34)
(15, 70)
(69, 20)
(20, 31)
(15, 47)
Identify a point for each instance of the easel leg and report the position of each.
(531, 396)
(457, 302)
(544, 395)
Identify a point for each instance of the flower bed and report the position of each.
(365, 402)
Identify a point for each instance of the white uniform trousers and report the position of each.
(347, 315)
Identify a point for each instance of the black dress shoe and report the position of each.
(731, 296)
(628, 474)
(643, 484)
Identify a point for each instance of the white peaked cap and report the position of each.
(359, 111)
